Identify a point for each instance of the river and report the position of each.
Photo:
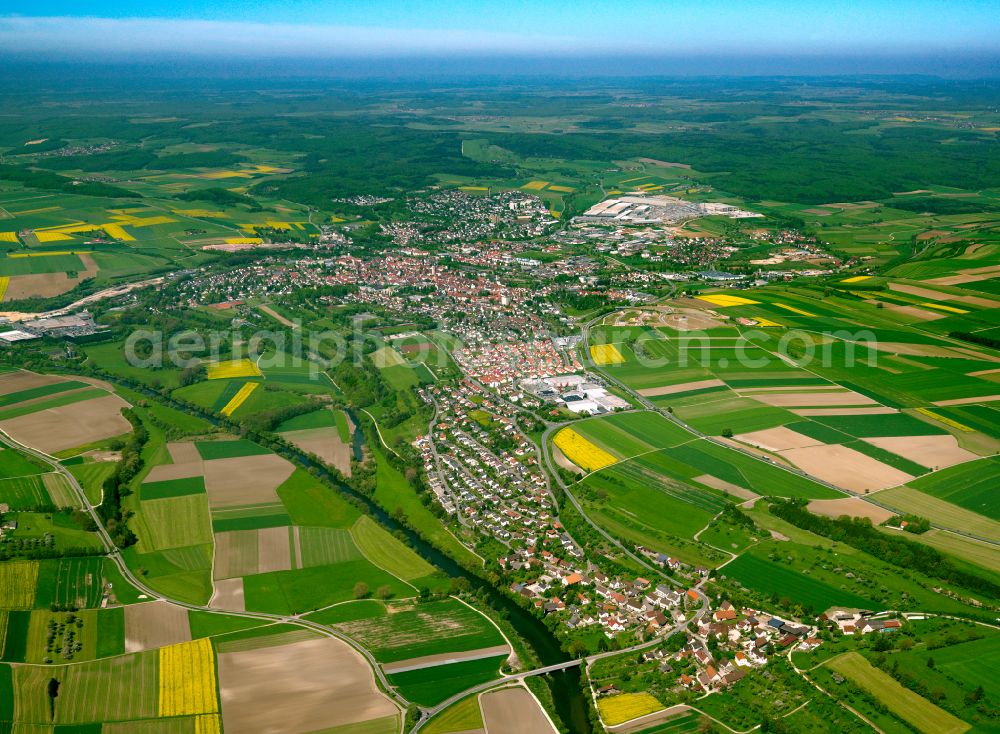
(566, 686)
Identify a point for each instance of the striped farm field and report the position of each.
(239, 398)
(406, 630)
(912, 708)
(24, 493)
(4, 284)
(582, 452)
(971, 486)
(116, 689)
(626, 706)
(8, 237)
(17, 584)
(606, 354)
(944, 510)
(187, 679)
(628, 434)
(175, 725)
(793, 309)
(768, 577)
(387, 552)
(233, 368)
(207, 724)
(71, 582)
(323, 546)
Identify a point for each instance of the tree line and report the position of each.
(859, 533)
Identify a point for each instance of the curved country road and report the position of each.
(112, 552)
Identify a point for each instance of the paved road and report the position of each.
(112, 552)
(557, 667)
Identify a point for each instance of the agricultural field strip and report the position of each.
(913, 708)
(643, 401)
(626, 459)
(126, 572)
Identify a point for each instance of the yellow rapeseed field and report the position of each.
(201, 213)
(626, 706)
(46, 253)
(562, 189)
(52, 236)
(942, 307)
(856, 279)
(239, 398)
(535, 185)
(216, 175)
(274, 224)
(582, 452)
(207, 724)
(721, 299)
(187, 679)
(4, 284)
(945, 420)
(243, 240)
(233, 368)
(799, 311)
(117, 232)
(606, 354)
(8, 237)
(765, 322)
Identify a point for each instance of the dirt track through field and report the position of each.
(513, 711)
(304, 687)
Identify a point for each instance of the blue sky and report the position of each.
(359, 28)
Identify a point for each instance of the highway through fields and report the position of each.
(113, 552)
